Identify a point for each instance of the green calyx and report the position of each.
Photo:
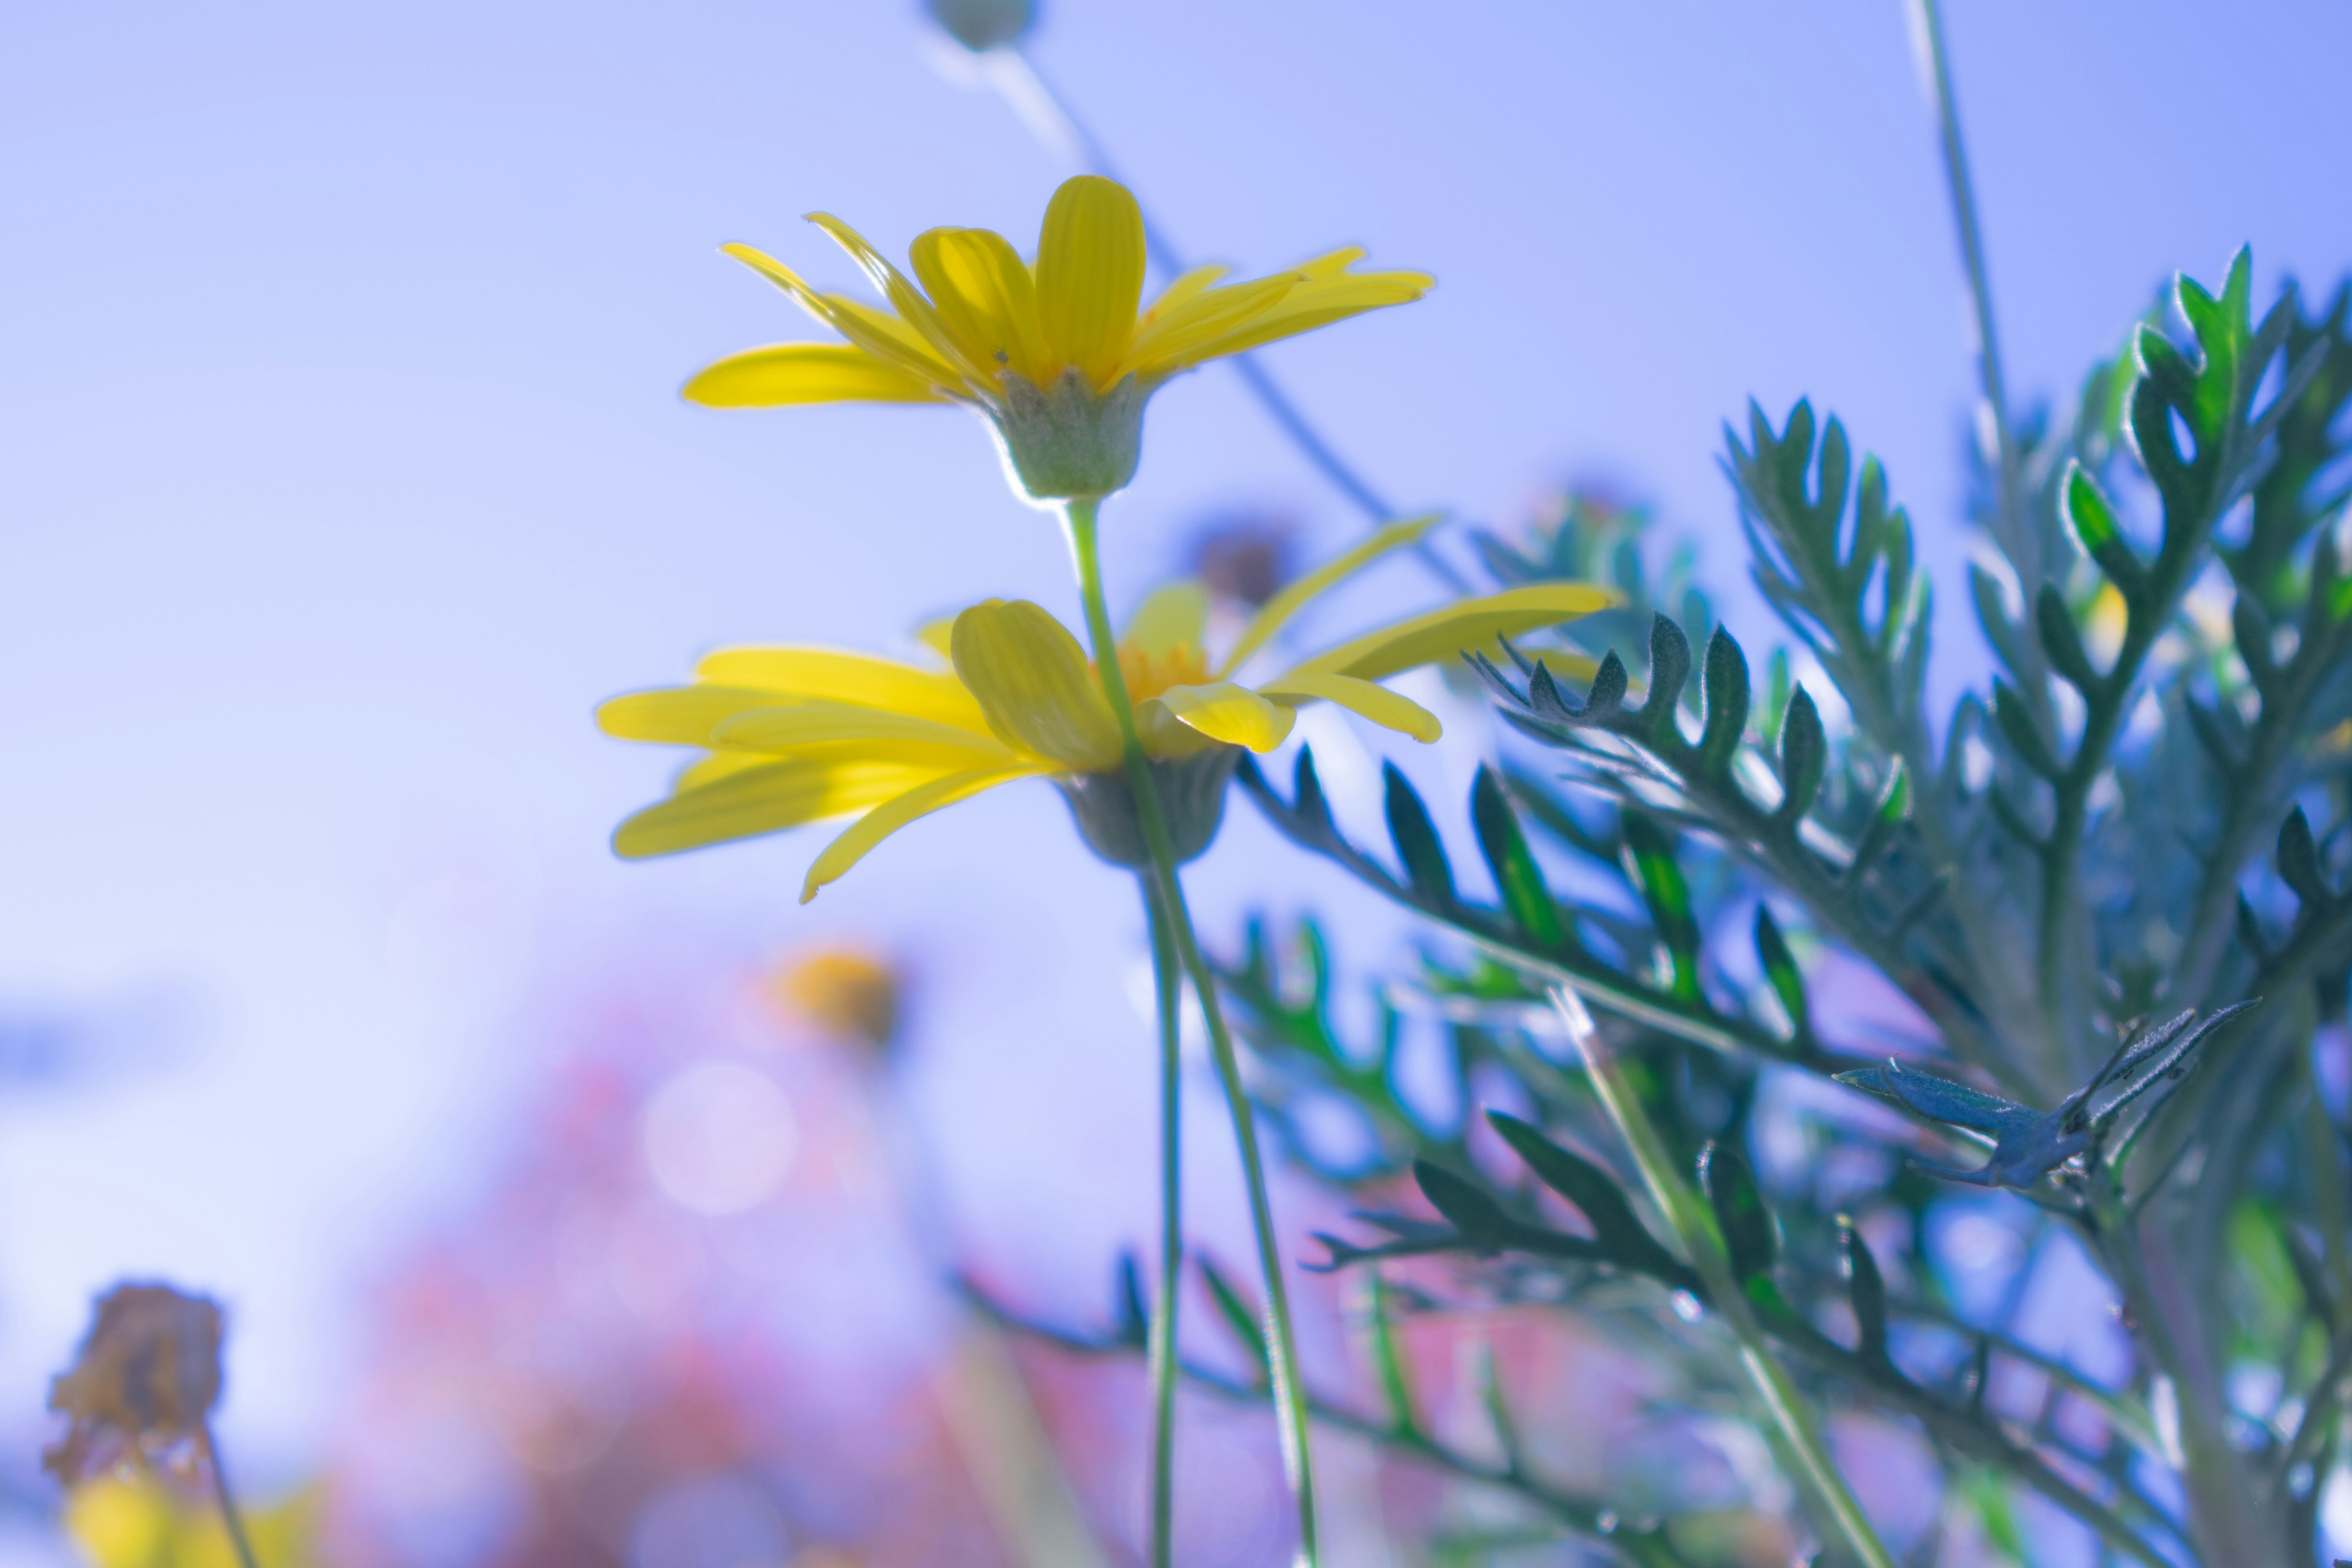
(1192, 791)
(1066, 441)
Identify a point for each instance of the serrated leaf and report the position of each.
(1308, 792)
(1740, 1213)
(1518, 877)
(1241, 1318)
(1804, 757)
(1650, 866)
(2094, 520)
(1426, 869)
(1592, 1191)
(1780, 971)
(2009, 711)
(1472, 1213)
(1498, 1410)
(1134, 1316)
(1670, 667)
(2062, 640)
(1943, 1099)
(1726, 704)
(1866, 1289)
(1389, 1362)
(2298, 862)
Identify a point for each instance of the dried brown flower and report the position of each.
(144, 1381)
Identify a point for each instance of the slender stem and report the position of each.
(1282, 1344)
(232, 1519)
(1645, 1545)
(1169, 982)
(1929, 20)
(1703, 1240)
(1056, 126)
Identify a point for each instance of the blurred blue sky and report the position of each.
(342, 471)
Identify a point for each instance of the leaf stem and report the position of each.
(1169, 985)
(1703, 1239)
(1282, 1341)
(232, 1519)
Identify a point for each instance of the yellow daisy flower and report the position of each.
(1060, 355)
(799, 734)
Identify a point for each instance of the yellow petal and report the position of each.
(938, 636)
(984, 294)
(1234, 714)
(714, 767)
(1203, 319)
(846, 678)
(1456, 629)
(1310, 305)
(895, 814)
(884, 336)
(1332, 263)
(761, 800)
(678, 715)
(818, 723)
(1090, 274)
(791, 373)
(1285, 605)
(1377, 703)
(1176, 293)
(1030, 677)
(906, 299)
(1175, 616)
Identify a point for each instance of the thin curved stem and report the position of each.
(1929, 20)
(1058, 127)
(1282, 1343)
(1703, 1241)
(1169, 982)
(232, 1519)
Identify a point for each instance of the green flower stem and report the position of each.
(231, 1518)
(1168, 981)
(1282, 1345)
(1694, 1223)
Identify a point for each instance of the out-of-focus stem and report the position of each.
(1169, 983)
(232, 1519)
(1694, 1222)
(1282, 1344)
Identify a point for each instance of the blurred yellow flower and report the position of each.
(851, 996)
(1059, 356)
(141, 1524)
(799, 734)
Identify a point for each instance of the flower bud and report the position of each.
(982, 24)
(145, 1379)
(1191, 792)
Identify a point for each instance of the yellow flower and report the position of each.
(851, 996)
(141, 1524)
(799, 734)
(1059, 356)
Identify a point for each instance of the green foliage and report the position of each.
(2114, 883)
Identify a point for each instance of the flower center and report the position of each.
(1148, 674)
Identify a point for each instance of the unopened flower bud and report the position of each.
(144, 1381)
(982, 24)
